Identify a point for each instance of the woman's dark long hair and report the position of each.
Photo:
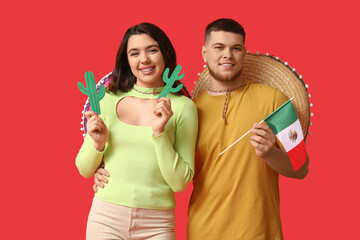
(122, 77)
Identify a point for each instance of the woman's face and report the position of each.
(145, 60)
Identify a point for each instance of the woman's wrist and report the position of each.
(157, 132)
(99, 147)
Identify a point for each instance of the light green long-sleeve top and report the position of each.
(145, 171)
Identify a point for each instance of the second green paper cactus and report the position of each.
(170, 81)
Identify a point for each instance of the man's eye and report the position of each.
(237, 49)
(218, 47)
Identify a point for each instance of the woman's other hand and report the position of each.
(162, 114)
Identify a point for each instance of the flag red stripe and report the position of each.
(297, 155)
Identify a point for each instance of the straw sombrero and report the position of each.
(269, 70)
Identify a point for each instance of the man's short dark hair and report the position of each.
(226, 25)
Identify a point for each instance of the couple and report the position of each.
(149, 145)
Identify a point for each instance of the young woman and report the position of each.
(147, 145)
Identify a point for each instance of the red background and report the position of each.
(46, 47)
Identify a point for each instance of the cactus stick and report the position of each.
(91, 91)
(170, 81)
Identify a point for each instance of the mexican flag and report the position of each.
(286, 125)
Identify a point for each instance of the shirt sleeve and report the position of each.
(279, 99)
(177, 162)
(88, 158)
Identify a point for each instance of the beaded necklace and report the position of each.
(152, 92)
(227, 92)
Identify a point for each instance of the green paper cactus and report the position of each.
(90, 91)
(170, 81)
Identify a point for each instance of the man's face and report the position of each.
(224, 54)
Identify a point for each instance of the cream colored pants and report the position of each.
(111, 221)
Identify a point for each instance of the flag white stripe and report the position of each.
(284, 138)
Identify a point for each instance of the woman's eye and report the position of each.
(134, 54)
(153, 50)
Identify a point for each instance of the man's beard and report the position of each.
(221, 78)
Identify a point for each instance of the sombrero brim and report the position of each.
(270, 71)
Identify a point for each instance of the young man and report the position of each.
(236, 195)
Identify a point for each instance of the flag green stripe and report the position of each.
(282, 117)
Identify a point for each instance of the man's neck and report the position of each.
(219, 88)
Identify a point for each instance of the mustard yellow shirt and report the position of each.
(236, 195)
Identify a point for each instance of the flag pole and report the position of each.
(238, 140)
(243, 135)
